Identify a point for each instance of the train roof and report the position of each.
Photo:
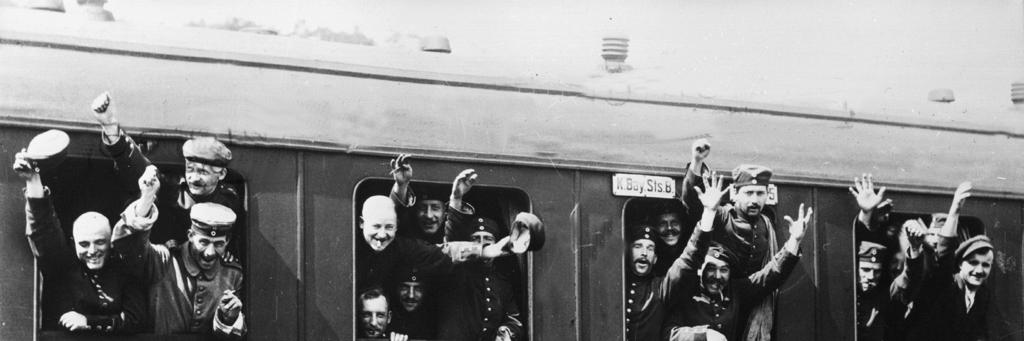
(257, 90)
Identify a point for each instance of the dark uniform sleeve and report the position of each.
(682, 276)
(129, 163)
(770, 277)
(45, 236)
(905, 286)
(458, 224)
(688, 195)
(429, 258)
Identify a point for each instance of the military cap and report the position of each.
(409, 274)
(212, 219)
(483, 224)
(720, 252)
(642, 231)
(972, 245)
(668, 206)
(749, 175)
(206, 150)
(871, 252)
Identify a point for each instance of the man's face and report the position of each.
(974, 269)
(205, 249)
(411, 295)
(482, 238)
(669, 228)
(91, 245)
(429, 215)
(642, 257)
(374, 317)
(379, 229)
(715, 275)
(870, 273)
(896, 264)
(750, 199)
(202, 178)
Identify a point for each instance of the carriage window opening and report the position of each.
(881, 267)
(74, 284)
(404, 269)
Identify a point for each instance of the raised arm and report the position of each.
(778, 268)
(42, 227)
(131, 234)
(909, 281)
(963, 191)
(401, 171)
(458, 212)
(684, 269)
(863, 190)
(127, 155)
(696, 169)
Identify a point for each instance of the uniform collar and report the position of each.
(192, 266)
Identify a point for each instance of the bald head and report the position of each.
(91, 232)
(379, 222)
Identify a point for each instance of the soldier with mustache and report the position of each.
(672, 225)
(416, 314)
(93, 288)
(713, 292)
(192, 289)
(741, 227)
(206, 161)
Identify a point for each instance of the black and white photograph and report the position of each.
(670, 170)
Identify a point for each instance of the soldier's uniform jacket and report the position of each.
(420, 324)
(110, 299)
(721, 313)
(184, 298)
(751, 242)
(880, 312)
(479, 296)
(478, 299)
(374, 269)
(648, 299)
(940, 312)
(174, 199)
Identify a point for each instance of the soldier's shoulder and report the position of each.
(232, 267)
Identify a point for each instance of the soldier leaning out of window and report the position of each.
(206, 161)
(193, 289)
(95, 291)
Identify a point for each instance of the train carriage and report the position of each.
(313, 133)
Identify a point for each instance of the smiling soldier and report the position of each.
(192, 288)
(374, 314)
(416, 315)
(714, 293)
(425, 210)
(94, 290)
(743, 229)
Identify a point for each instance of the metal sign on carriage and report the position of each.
(645, 186)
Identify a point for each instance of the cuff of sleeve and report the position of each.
(238, 328)
(40, 206)
(120, 146)
(139, 223)
(408, 201)
(466, 211)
